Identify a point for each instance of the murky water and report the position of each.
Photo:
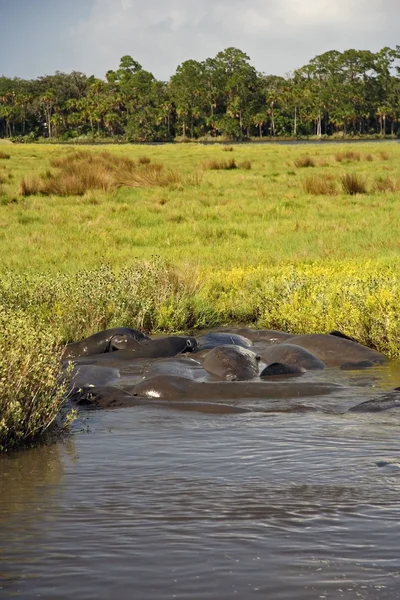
(152, 503)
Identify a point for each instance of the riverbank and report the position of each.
(205, 140)
(267, 236)
(41, 313)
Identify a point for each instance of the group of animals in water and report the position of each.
(227, 371)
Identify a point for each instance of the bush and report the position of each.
(30, 392)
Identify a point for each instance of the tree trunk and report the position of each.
(319, 127)
(295, 121)
(260, 129)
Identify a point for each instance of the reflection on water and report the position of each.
(154, 504)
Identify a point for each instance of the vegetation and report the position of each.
(31, 395)
(270, 245)
(355, 92)
(320, 185)
(304, 161)
(353, 184)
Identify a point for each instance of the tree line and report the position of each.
(355, 92)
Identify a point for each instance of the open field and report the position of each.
(169, 238)
(261, 215)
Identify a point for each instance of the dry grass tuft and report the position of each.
(386, 184)
(4, 156)
(353, 184)
(219, 165)
(384, 155)
(320, 185)
(194, 179)
(79, 172)
(245, 164)
(152, 176)
(304, 161)
(30, 186)
(144, 160)
(227, 148)
(369, 157)
(348, 156)
(106, 161)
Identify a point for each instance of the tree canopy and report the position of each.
(350, 92)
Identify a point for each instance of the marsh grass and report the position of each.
(245, 164)
(220, 165)
(320, 185)
(304, 161)
(78, 172)
(352, 184)
(348, 156)
(132, 221)
(4, 155)
(386, 184)
(227, 148)
(384, 155)
(151, 175)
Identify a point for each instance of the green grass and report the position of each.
(257, 216)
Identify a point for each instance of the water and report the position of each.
(154, 504)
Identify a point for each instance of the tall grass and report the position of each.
(81, 171)
(219, 165)
(349, 156)
(320, 185)
(386, 184)
(304, 161)
(353, 184)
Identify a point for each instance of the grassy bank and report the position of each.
(184, 237)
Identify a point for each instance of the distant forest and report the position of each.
(356, 92)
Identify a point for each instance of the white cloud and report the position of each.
(279, 35)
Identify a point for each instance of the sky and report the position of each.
(39, 37)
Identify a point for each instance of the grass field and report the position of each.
(303, 238)
(217, 218)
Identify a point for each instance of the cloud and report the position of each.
(279, 35)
